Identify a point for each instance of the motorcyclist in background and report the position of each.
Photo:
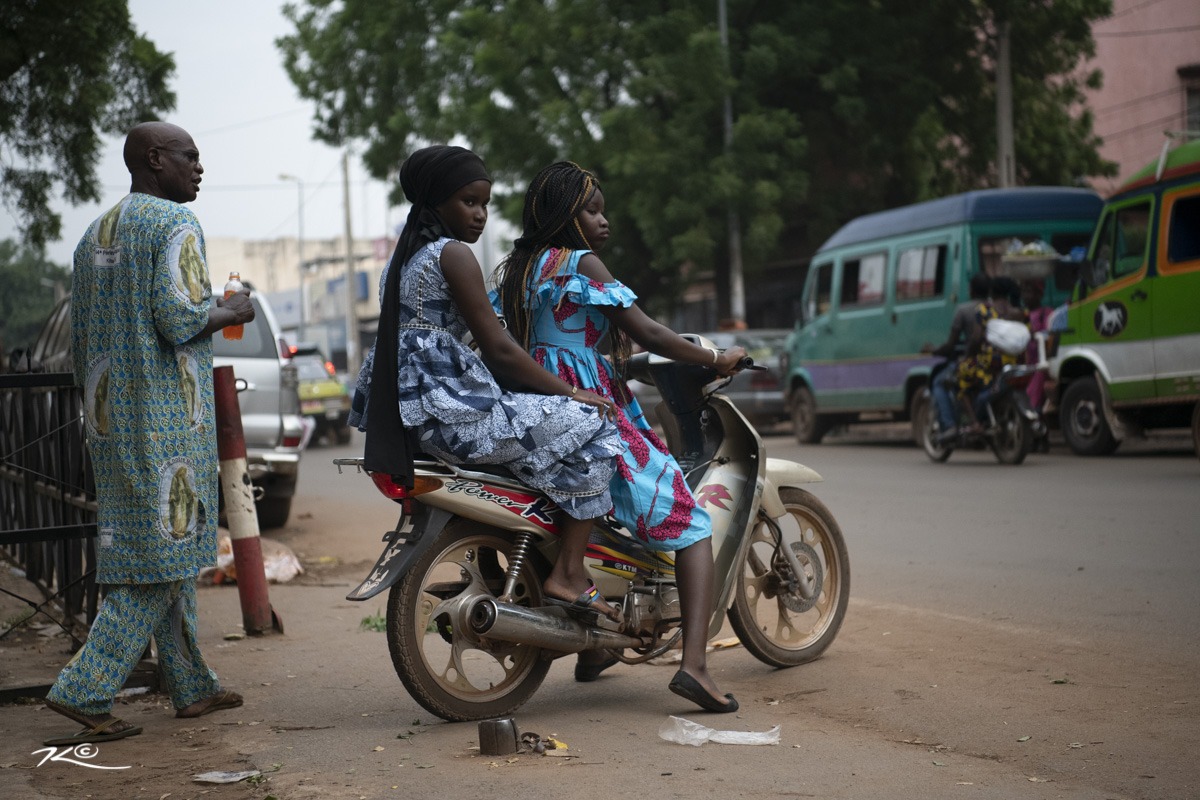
(964, 327)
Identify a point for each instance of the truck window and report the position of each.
(818, 292)
(921, 272)
(862, 280)
(1124, 236)
(1183, 237)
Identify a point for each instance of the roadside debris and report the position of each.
(225, 777)
(280, 564)
(684, 731)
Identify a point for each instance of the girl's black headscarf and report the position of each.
(429, 177)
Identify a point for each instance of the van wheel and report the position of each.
(1196, 428)
(808, 426)
(273, 512)
(1082, 419)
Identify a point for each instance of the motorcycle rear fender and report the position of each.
(411, 538)
(781, 473)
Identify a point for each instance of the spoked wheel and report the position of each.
(1014, 435)
(931, 431)
(785, 619)
(444, 667)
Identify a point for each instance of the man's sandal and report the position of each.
(226, 698)
(94, 734)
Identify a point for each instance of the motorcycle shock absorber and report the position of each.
(516, 561)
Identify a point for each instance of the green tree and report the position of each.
(841, 107)
(30, 287)
(69, 72)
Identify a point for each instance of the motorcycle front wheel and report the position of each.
(447, 671)
(1014, 433)
(937, 450)
(778, 623)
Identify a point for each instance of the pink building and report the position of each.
(1149, 51)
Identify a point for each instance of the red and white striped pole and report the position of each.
(257, 615)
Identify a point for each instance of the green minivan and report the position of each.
(1130, 356)
(886, 284)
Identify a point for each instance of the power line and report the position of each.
(1152, 123)
(1153, 32)
(1136, 100)
(248, 123)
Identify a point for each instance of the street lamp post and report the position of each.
(299, 247)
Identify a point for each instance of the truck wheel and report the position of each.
(809, 427)
(1082, 419)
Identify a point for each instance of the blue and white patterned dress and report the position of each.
(450, 399)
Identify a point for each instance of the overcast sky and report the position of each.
(233, 96)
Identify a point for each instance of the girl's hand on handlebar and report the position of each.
(730, 361)
(607, 408)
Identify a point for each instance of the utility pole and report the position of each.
(737, 290)
(1006, 159)
(299, 249)
(351, 313)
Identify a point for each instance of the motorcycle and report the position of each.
(471, 635)
(1010, 428)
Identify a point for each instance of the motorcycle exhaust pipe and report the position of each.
(541, 628)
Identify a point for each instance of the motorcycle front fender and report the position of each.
(404, 545)
(780, 473)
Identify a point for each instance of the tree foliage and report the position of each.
(69, 72)
(30, 287)
(841, 107)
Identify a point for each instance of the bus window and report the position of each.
(862, 280)
(818, 292)
(1183, 238)
(921, 272)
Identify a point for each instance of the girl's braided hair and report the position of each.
(550, 220)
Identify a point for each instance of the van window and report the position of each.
(1183, 237)
(921, 272)
(862, 280)
(1124, 236)
(818, 292)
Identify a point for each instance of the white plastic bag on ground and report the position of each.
(684, 731)
(280, 564)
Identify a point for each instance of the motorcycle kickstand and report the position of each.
(515, 562)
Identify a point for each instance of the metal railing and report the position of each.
(47, 493)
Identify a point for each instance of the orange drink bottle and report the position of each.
(231, 288)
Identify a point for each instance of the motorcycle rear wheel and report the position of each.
(448, 673)
(1014, 433)
(776, 624)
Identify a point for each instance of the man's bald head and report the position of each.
(145, 135)
(163, 161)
